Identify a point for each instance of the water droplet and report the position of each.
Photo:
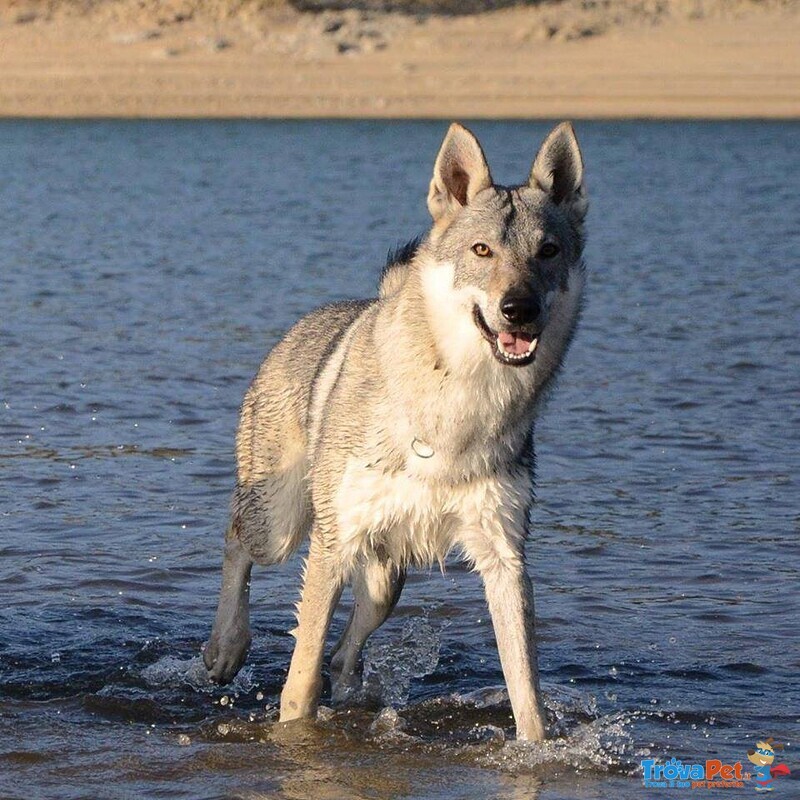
(259, 695)
(224, 700)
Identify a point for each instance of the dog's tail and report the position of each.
(395, 271)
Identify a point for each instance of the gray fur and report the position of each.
(394, 430)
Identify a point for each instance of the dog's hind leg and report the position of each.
(376, 589)
(230, 637)
(322, 588)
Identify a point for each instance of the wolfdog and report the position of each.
(393, 430)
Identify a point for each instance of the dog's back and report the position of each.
(271, 506)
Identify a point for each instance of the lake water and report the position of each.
(145, 270)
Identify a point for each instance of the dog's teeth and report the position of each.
(518, 356)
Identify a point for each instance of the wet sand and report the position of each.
(543, 61)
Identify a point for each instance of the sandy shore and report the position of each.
(534, 61)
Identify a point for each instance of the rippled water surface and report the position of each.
(146, 268)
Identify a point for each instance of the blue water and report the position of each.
(146, 269)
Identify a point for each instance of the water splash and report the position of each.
(387, 724)
(566, 705)
(389, 667)
(477, 728)
(582, 739)
(172, 672)
(605, 744)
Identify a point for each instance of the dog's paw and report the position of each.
(225, 654)
(346, 693)
(346, 685)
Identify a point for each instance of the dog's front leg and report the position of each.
(322, 588)
(509, 594)
(230, 637)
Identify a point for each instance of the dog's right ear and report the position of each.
(460, 172)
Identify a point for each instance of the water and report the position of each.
(147, 268)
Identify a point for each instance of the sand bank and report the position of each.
(116, 59)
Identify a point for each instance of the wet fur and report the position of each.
(386, 430)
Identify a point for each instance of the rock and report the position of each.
(215, 43)
(25, 16)
(333, 26)
(166, 52)
(574, 32)
(132, 37)
(545, 31)
(538, 33)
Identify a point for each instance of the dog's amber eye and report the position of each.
(548, 250)
(481, 249)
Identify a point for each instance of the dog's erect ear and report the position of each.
(459, 174)
(558, 169)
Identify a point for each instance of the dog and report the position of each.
(393, 430)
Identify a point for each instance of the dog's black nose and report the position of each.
(520, 309)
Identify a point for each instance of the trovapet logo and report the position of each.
(764, 769)
(760, 773)
(710, 774)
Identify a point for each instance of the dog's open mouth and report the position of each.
(515, 348)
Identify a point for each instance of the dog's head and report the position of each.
(511, 255)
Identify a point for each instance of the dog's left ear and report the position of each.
(460, 172)
(558, 169)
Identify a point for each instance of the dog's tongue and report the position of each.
(515, 343)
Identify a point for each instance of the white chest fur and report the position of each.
(416, 519)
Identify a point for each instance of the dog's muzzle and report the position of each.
(516, 348)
